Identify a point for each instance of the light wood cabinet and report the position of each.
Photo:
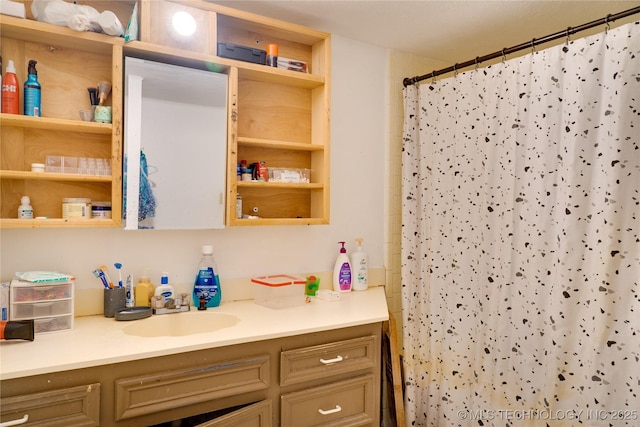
(68, 63)
(290, 381)
(276, 116)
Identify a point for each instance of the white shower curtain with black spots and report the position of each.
(521, 240)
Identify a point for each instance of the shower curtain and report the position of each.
(521, 240)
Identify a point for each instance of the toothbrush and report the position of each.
(118, 267)
(100, 275)
(103, 268)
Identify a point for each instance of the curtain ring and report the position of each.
(504, 57)
(606, 22)
(455, 70)
(433, 76)
(477, 62)
(568, 36)
(533, 45)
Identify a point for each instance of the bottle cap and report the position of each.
(11, 68)
(25, 200)
(164, 279)
(272, 49)
(32, 67)
(342, 249)
(111, 24)
(207, 249)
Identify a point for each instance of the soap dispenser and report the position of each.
(342, 271)
(165, 289)
(143, 291)
(359, 262)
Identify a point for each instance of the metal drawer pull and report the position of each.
(15, 422)
(330, 411)
(337, 359)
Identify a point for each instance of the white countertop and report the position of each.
(96, 340)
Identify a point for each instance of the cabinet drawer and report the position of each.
(343, 403)
(68, 407)
(162, 391)
(324, 360)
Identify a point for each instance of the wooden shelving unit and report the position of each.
(277, 116)
(68, 63)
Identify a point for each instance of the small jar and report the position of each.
(101, 210)
(76, 208)
(37, 167)
(246, 175)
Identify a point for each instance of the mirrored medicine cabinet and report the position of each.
(175, 133)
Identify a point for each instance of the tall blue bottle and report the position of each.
(207, 284)
(32, 92)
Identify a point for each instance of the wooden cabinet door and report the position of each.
(256, 415)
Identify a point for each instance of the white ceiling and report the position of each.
(449, 31)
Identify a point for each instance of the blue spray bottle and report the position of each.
(32, 92)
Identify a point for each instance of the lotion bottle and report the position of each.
(25, 211)
(342, 272)
(360, 264)
(165, 289)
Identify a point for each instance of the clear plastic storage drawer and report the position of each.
(49, 303)
(25, 292)
(32, 310)
(53, 324)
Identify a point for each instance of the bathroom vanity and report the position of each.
(314, 364)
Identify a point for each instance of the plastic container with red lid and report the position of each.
(279, 291)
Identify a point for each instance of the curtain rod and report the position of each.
(527, 45)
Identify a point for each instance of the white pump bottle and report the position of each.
(360, 265)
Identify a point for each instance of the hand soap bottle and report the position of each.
(342, 272)
(360, 264)
(165, 289)
(143, 291)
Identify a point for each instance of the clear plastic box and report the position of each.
(81, 165)
(293, 175)
(279, 291)
(50, 304)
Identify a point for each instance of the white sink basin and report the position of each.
(180, 324)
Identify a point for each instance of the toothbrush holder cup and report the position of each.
(114, 300)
